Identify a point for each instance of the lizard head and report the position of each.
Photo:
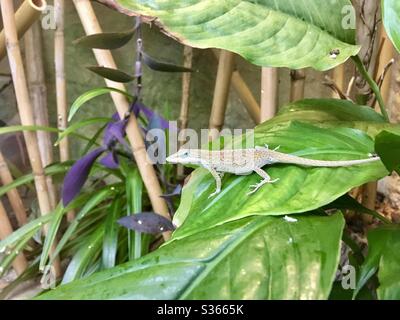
(185, 156)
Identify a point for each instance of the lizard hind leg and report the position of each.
(266, 179)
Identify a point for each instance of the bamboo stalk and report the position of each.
(61, 84)
(27, 14)
(20, 263)
(338, 78)
(221, 92)
(186, 79)
(269, 93)
(25, 107)
(386, 54)
(134, 134)
(38, 94)
(297, 83)
(245, 94)
(13, 195)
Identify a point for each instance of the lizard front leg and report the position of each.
(266, 179)
(217, 179)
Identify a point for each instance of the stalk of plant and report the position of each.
(13, 195)
(244, 93)
(25, 107)
(184, 113)
(38, 93)
(221, 92)
(134, 134)
(19, 263)
(338, 79)
(27, 14)
(297, 83)
(61, 84)
(269, 93)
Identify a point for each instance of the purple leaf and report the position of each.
(110, 161)
(78, 174)
(154, 119)
(147, 222)
(115, 131)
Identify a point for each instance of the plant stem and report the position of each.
(363, 71)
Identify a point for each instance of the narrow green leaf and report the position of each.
(112, 74)
(12, 129)
(91, 94)
(85, 257)
(93, 140)
(111, 228)
(91, 203)
(109, 40)
(162, 66)
(134, 191)
(78, 125)
(15, 251)
(51, 235)
(22, 232)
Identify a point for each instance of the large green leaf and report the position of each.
(391, 20)
(387, 145)
(253, 258)
(299, 189)
(333, 113)
(292, 33)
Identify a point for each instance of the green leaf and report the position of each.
(349, 203)
(51, 235)
(387, 145)
(91, 94)
(162, 66)
(332, 113)
(78, 125)
(293, 34)
(299, 189)
(383, 254)
(12, 129)
(85, 257)
(98, 197)
(391, 20)
(109, 40)
(112, 74)
(252, 258)
(110, 240)
(134, 192)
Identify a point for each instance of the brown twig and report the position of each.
(335, 88)
(244, 92)
(221, 92)
(297, 83)
(13, 195)
(269, 93)
(104, 58)
(338, 76)
(20, 264)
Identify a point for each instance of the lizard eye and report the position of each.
(185, 154)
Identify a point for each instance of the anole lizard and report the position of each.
(245, 161)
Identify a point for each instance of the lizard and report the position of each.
(247, 161)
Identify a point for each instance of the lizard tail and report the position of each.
(326, 163)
